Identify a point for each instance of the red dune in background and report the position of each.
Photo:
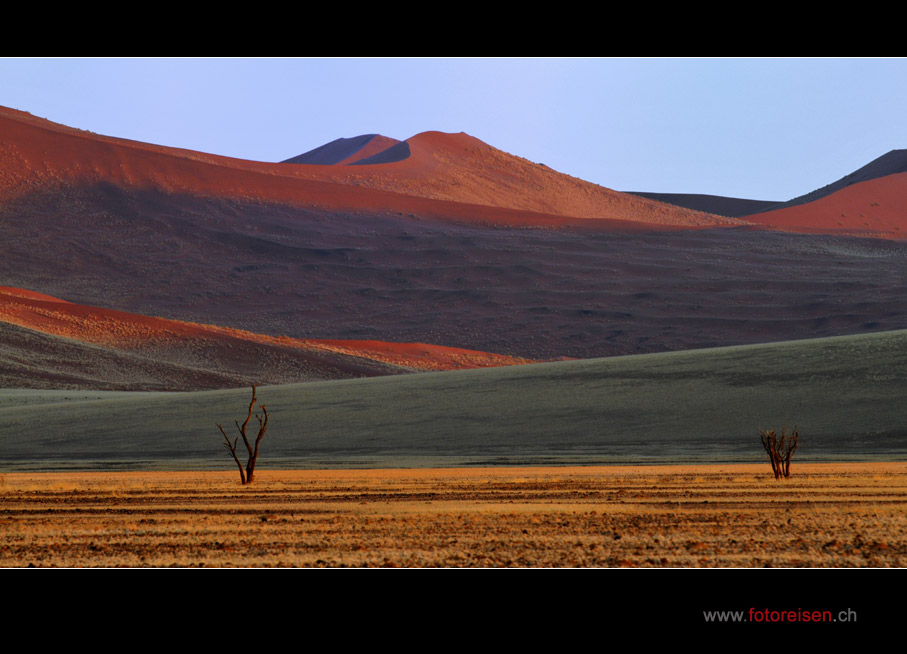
(447, 177)
(460, 168)
(876, 208)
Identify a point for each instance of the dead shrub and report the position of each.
(780, 449)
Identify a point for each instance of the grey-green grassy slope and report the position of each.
(846, 394)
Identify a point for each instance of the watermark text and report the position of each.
(767, 615)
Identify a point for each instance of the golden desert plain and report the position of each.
(824, 515)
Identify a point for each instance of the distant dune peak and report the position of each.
(369, 149)
(436, 141)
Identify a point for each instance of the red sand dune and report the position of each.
(447, 177)
(460, 168)
(877, 208)
(169, 340)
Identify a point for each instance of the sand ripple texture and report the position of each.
(826, 515)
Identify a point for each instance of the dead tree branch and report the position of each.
(246, 475)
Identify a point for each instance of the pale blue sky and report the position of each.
(755, 128)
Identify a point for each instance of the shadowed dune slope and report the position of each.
(392, 154)
(844, 394)
(50, 343)
(376, 147)
(540, 294)
(345, 150)
(716, 204)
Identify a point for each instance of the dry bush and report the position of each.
(780, 449)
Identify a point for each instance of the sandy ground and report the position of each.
(825, 515)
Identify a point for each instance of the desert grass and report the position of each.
(845, 394)
(825, 515)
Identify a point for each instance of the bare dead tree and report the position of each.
(780, 449)
(246, 474)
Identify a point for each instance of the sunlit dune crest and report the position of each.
(10, 292)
